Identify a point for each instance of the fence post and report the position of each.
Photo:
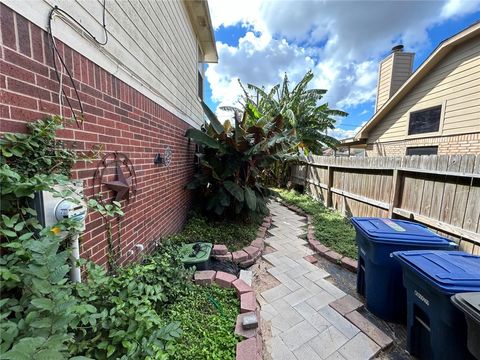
(329, 186)
(395, 192)
(305, 182)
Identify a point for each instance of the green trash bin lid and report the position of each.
(187, 250)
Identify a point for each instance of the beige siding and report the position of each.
(153, 41)
(454, 83)
(402, 69)
(384, 81)
(393, 71)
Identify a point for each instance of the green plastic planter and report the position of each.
(200, 259)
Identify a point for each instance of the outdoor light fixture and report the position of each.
(166, 159)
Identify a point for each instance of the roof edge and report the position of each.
(435, 57)
(199, 14)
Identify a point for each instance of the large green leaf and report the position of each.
(253, 111)
(200, 138)
(235, 190)
(250, 198)
(223, 198)
(216, 124)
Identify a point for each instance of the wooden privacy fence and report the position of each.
(442, 192)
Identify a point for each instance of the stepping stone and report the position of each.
(374, 333)
(258, 243)
(275, 293)
(253, 252)
(241, 287)
(226, 257)
(349, 264)
(246, 275)
(311, 259)
(360, 347)
(224, 279)
(328, 342)
(239, 256)
(205, 277)
(246, 332)
(261, 233)
(341, 323)
(219, 249)
(332, 256)
(299, 335)
(346, 304)
(247, 263)
(248, 350)
(248, 302)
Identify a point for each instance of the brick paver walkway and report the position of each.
(303, 326)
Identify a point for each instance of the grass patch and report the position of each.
(235, 235)
(207, 316)
(331, 228)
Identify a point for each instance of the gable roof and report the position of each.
(444, 48)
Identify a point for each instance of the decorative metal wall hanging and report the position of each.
(166, 159)
(115, 172)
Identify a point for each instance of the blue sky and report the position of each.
(341, 41)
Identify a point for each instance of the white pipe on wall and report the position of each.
(75, 273)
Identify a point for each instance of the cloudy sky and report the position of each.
(341, 41)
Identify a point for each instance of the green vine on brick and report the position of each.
(109, 212)
(37, 306)
(44, 315)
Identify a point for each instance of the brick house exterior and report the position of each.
(454, 144)
(117, 115)
(434, 110)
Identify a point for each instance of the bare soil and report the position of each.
(262, 280)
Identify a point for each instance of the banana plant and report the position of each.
(234, 158)
(304, 115)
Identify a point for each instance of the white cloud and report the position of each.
(258, 59)
(339, 133)
(341, 41)
(460, 7)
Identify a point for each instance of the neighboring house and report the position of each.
(435, 110)
(140, 92)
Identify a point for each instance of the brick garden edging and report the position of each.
(249, 254)
(345, 261)
(251, 348)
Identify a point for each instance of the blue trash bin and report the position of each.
(379, 276)
(436, 329)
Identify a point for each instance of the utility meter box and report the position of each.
(52, 208)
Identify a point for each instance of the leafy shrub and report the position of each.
(37, 307)
(233, 158)
(207, 316)
(128, 320)
(44, 316)
(234, 234)
(331, 228)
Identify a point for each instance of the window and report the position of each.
(200, 86)
(200, 74)
(425, 121)
(422, 150)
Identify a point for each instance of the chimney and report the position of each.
(393, 71)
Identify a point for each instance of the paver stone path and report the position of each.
(303, 326)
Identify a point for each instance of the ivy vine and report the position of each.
(43, 315)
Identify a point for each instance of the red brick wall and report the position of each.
(116, 115)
